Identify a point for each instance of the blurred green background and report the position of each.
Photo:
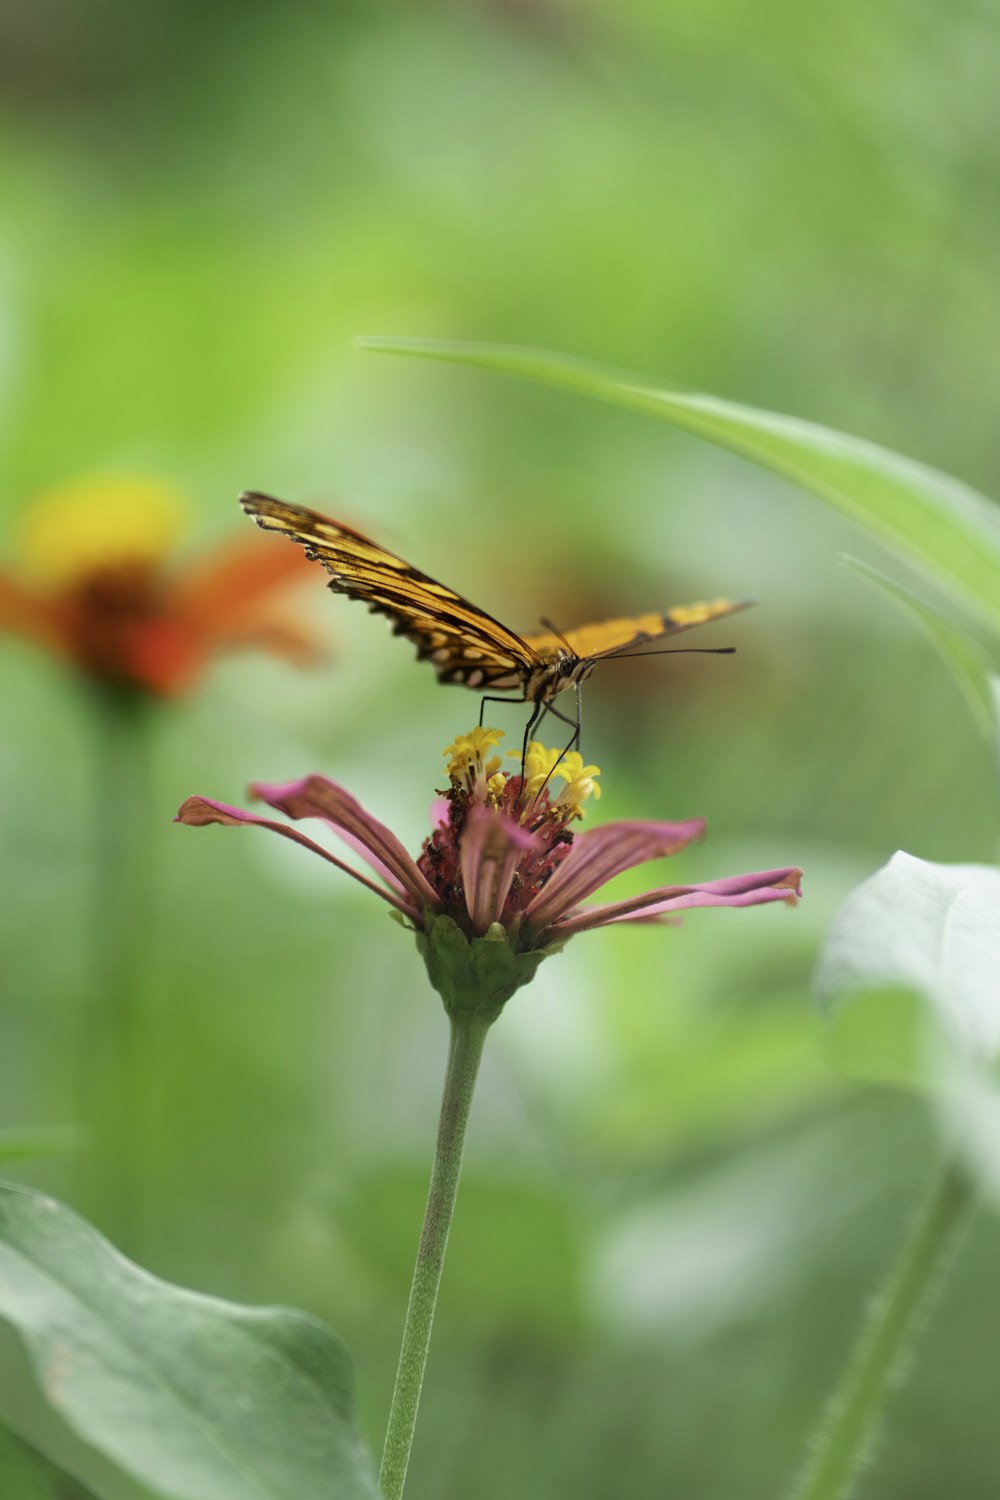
(673, 1211)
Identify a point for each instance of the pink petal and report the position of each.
(492, 847)
(198, 811)
(316, 797)
(600, 854)
(735, 890)
(361, 850)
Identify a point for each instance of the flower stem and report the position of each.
(112, 1088)
(468, 1033)
(895, 1319)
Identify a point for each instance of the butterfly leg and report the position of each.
(537, 710)
(563, 718)
(574, 743)
(576, 724)
(489, 698)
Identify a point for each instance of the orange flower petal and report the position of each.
(219, 591)
(25, 612)
(231, 597)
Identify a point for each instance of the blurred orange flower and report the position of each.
(100, 585)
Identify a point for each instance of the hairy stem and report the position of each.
(886, 1341)
(468, 1033)
(111, 1088)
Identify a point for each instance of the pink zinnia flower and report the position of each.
(503, 880)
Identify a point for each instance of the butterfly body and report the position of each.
(464, 644)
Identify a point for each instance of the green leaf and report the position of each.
(26, 1475)
(960, 651)
(946, 527)
(55, 1140)
(912, 961)
(198, 1398)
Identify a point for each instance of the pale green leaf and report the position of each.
(944, 526)
(200, 1399)
(960, 651)
(909, 987)
(914, 955)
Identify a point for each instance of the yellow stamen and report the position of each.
(580, 783)
(93, 524)
(465, 754)
(542, 764)
(539, 765)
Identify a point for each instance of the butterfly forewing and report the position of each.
(463, 643)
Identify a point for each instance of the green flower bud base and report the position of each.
(475, 976)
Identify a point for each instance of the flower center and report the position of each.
(535, 809)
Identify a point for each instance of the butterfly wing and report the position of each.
(608, 637)
(463, 644)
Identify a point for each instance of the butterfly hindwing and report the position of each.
(607, 637)
(463, 643)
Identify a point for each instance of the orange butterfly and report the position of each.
(463, 643)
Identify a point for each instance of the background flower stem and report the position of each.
(113, 1083)
(886, 1341)
(468, 1033)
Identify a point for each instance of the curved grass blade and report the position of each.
(944, 526)
(961, 652)
(43, 1140)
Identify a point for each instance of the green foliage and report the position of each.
(878, 1034)
(26, 1475)
(948, 529)
(782, 204)
(907, 986)
(535, 1268)
(925, 931)
(201, 1399)
(961, 653)
(23, 1145)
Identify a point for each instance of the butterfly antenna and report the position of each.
(673, 651)
(557, 632)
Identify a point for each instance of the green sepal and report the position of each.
(474, 975)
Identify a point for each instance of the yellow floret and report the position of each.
(580, 782)
(465, 753)
(100, 522)
(539, 765)
(494, 786)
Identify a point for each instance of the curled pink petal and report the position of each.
(600, 854)
(735, 890)
(492, 847)
(317, 797)
(196, 812)
(372, 860)
(359, 847)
